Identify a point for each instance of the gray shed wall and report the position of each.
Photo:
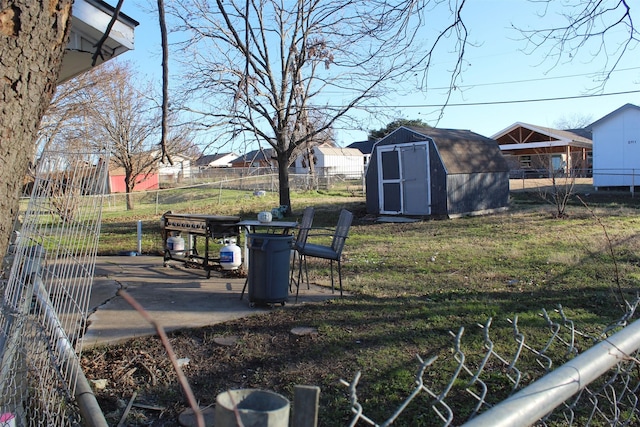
(469, 193)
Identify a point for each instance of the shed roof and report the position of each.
(463, 151)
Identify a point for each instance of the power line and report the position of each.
(532, 80)
(517, 101)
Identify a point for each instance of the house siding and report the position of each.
(117, 185)
(616, 149)
(332, 161)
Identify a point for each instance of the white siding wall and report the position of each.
(616, 150)
(180, 169)
(350, 166)
(335, 161)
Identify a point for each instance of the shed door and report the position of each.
(403, 179)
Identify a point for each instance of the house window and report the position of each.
(525, 162)
(557, 163)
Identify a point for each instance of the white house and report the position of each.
(176, 172)
(331, 161)
(616, 148)
(219, 160)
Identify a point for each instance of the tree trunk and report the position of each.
(283, 182)
(33, 36)
(128, 183)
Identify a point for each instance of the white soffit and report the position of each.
(89, 22)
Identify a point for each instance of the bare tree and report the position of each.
(123, 117)
(260, 69)
(605, 28)
(573, 121)
(60, 128)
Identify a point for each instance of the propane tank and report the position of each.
(175, 244)
(230, 255)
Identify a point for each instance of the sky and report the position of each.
(500, 84)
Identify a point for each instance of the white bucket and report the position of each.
(256, 408)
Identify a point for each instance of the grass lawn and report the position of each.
(412, 287)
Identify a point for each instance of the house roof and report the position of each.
(525, 138)
(462, 151)
(210, 158)
(254, 156)
(338, 151)
(365, 147)
(612, 114)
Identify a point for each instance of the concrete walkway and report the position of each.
(175, 296)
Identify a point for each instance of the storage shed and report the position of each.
(419, 171)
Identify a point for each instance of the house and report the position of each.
(436, 172)
(616, 148)
(178, 170)
(536, 151)
(157, 172)
(327, 160)
(144, 182)
(218, 160)
(365, 147)
(88, 25)
(261, 158)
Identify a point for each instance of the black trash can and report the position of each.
(269, 267)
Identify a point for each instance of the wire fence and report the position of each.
(596, 387)
(45, 299)
(250, 185)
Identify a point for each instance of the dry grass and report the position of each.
(411, 284)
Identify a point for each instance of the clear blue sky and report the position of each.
(500, 84)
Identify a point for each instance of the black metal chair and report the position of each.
(301, 239)
(332, 252)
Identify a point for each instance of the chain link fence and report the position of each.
(45, 296)
(593, 387)
(264, 181)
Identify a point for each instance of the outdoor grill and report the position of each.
(192, 227)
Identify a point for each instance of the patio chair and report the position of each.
(301, 240)
(332, 253)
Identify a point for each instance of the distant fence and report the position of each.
(321, 178)
(612, 177)
(250, 183)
